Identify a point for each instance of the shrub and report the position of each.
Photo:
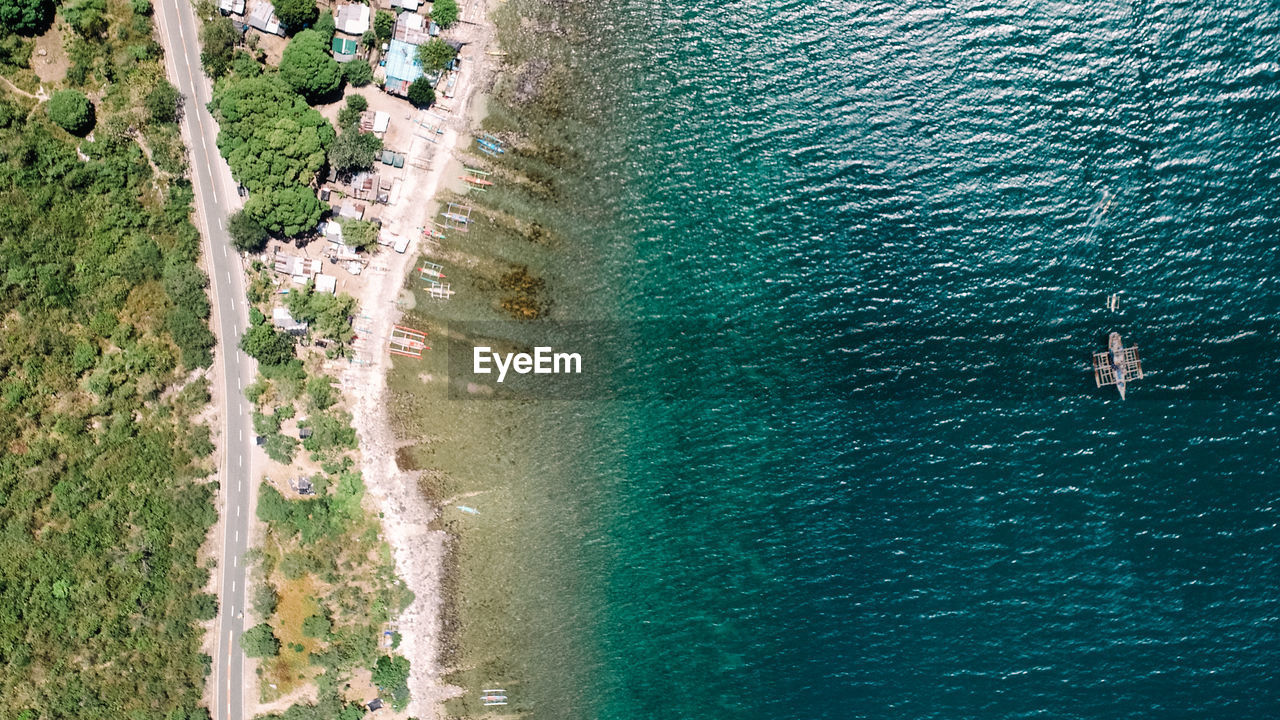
(281, 448)
(264, 600)
(162, 103)
(259, 641)
(384, 23)
(359, 103)
(72, 110)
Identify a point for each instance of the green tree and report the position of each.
(326, 25)
(72, 110)
(368, 40)
(444, 12)
(391, 673)
(421, 94)
(247, 234)
(275, 145)
(26, 17)
(269, 136)
(353, 151)
(288, 211)
(163, 102)
(267, 346)
(218, 44)
(384, 23)
(357, 72)
(358, 102)
(260, 641)
(308, 67)
(296, 14)
(436, 54)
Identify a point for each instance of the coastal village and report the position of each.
(333, 289)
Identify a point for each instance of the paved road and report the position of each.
(215, 197)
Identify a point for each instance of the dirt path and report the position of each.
(39, 97)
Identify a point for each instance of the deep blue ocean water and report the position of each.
(865, 249)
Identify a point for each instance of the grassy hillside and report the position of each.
(104, 490)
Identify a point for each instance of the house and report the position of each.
(381, 121)
(351, 210)
(333, 232)
(297, 266)
(304, 486)
(364, 186)
(410, 5)
(411, 28)
(282, 319)
(231, 7)
(352, 19)
(402, 67)
(327, 284)
(263, 18)
(376, 704)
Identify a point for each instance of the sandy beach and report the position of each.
(419, 551)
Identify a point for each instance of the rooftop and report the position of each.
(402, 62)
(352, 19)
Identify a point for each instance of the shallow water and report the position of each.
(862, 469)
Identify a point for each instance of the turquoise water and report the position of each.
(864, 249)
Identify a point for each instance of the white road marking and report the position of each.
(215, 195)
(238, 386)
(241, 461)
(233, 586)
(237, 511)
(224, 251)
(235, 561)
(206, 147)
(241, 435)
(239, 485)
(224, 247)
(237, 536)
(180, 33)
(228, 276)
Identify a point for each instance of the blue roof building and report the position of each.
(402, 66)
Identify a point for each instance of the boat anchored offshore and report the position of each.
(1118, 365)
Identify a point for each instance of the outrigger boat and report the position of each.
(477, 180)
(1118, 365)
(456, 217)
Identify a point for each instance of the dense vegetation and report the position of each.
(104, 491)
(276, 145)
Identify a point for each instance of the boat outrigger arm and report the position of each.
(1118, 365)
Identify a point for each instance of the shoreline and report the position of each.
(420, 553)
